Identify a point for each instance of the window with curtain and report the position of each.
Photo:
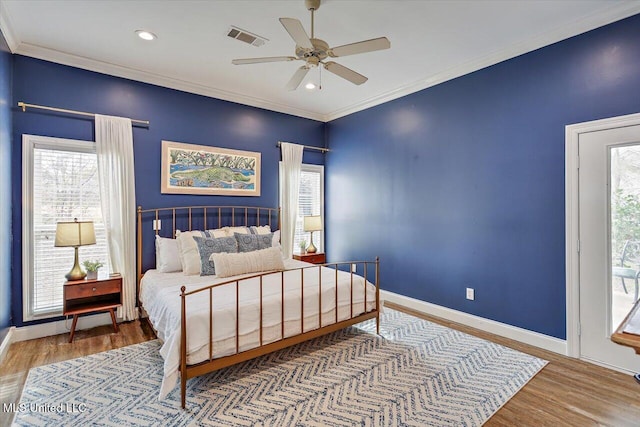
(310, 202)
(60, 182)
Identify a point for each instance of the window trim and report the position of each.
(29, 143)
(318, 169)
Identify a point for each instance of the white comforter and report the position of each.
(160, 294)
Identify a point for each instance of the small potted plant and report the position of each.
(303, 246)
(92, 268)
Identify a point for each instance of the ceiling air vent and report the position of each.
(246, 36)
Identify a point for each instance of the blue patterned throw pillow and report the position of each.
(253, 242)
(212, 245)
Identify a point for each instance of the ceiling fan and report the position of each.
(314, 51)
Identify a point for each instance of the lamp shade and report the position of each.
(76, 233)
(313, 223)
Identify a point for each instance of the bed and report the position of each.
(210, 321)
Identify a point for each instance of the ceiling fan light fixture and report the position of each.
(313, 51)
(146, 35)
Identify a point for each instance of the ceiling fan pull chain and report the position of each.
(320, 78)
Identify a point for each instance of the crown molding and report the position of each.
(579, 26)
(7, 28)
(64, 58)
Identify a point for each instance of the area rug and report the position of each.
(416, 373)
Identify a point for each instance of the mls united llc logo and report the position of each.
(68, 408)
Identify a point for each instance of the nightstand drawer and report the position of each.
(318, 258)
(90, 289)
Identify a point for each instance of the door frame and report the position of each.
(572, 231)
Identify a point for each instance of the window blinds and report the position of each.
(309, 203)
(65, 186)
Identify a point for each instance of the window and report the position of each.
(310, 202)
(60, 183)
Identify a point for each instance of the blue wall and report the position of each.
(174, 116)
(5, 188)
(462, 184)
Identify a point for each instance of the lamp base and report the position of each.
(77, 276)
(76, 272)
(312, 249)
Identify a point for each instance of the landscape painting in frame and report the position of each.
(201, 169)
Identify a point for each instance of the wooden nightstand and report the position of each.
(88, 296)
(317, 258)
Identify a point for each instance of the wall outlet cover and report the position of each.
(471, 294)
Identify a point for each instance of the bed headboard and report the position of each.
(187, 218)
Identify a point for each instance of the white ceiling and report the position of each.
(431, 42)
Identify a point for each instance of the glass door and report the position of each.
(609, 241)
(624, 233)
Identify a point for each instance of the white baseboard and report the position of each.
(60, 327)
(606, 365)
(545, 342)
(6, 343)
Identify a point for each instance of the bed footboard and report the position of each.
(369, 310)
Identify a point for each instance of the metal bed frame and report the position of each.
(227, 215)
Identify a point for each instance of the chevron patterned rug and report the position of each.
(416, 374)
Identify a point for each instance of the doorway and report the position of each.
(603, 232)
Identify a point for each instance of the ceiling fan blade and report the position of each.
(345, 73)
(297, 32)
(260, 60)
(297, 78)
(360, 47)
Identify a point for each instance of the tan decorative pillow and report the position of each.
(263, 229)
(240, 230)
(233, 264)
(188, 248)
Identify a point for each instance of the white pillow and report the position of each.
(240, 230)
(264, 229)
(188, 249)
(233, 264)
(167, 255)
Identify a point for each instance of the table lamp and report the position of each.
(75, 234)
(312, 223)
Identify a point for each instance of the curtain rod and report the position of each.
(24, 107)
(309, 147)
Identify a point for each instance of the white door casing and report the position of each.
(587, 149)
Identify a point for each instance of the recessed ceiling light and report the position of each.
(146, 35)
(310, 86)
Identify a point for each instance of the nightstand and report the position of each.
(317, 258)
(89, 296)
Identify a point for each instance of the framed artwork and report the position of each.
(212, 171)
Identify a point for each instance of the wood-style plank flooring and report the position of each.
(567, 392)
(25, 355)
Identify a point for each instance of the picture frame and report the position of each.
(211, 171)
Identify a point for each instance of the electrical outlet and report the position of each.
(471, 295)
(157, 224)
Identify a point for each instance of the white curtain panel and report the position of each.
(291, 165)
(114, 148)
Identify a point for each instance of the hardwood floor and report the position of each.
(25, 355)
(567, 392)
